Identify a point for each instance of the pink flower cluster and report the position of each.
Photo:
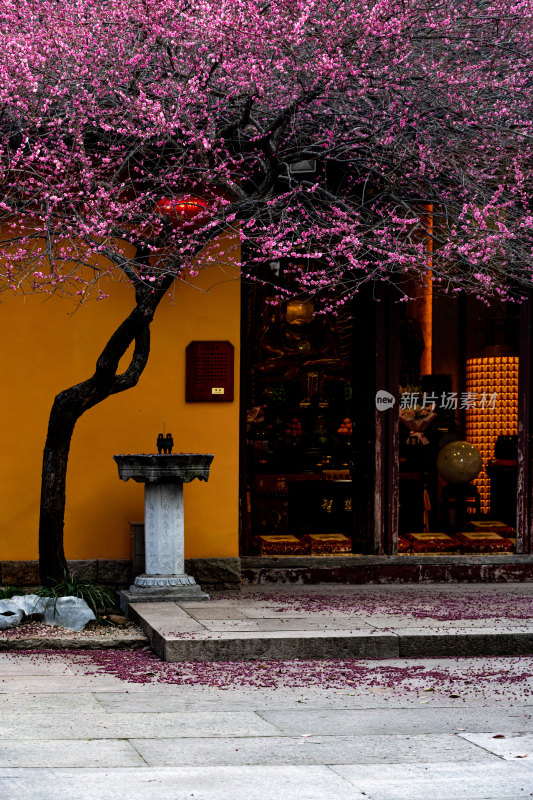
(352, 141)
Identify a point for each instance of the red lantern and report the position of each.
(182, 209)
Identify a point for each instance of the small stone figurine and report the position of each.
(165, 443)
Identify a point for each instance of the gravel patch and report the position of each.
(37, 636)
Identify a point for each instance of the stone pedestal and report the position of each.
(163, 475)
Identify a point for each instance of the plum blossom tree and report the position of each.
(133, 132)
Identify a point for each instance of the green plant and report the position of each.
(96, 597)
(8, 591)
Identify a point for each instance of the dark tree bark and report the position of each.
(68, 407)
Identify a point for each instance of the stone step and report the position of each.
(176, 634)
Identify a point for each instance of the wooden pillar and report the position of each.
(524, 515)
(375, 362)
(422, 299)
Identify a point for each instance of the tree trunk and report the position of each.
(68, 407)
(52, 562)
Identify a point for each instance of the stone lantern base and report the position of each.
(162, 593)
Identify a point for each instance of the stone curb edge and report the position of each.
(71, 643)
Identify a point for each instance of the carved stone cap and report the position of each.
(174, 468)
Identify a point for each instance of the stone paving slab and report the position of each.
(405, 721)
(499, 624)
(60, 684)
(135, 702)
(69, 753)
(485, 781)
(167, 617)
(22, 666)
(290, 624)
(308, 750)
(511, 746)
(179, 783)
(98, 725)
(75, 703)
(210, 612)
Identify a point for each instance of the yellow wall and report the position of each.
(45, 348)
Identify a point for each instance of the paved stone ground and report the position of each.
(69, 729)
(328, 621)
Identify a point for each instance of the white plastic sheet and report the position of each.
(66, 612)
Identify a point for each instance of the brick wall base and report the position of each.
(214, 574)
(219, 574)
(105, 571)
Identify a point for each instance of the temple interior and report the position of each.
(457, 427)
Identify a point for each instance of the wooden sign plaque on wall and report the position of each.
(209, 372)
